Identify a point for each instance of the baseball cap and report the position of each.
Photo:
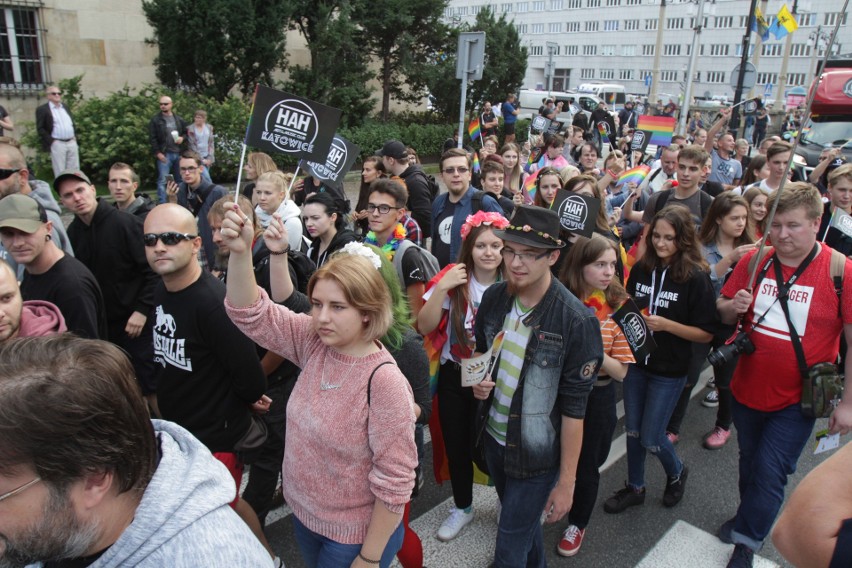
(393, 149)
(22, 212)
(75, 174)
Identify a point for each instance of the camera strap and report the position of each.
(783, 290)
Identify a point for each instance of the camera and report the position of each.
(732, 348)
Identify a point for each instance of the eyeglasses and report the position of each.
(459, 169)
(525, 257)
(383, 209)
(189, 169)
(20, 489)
(55, 93)
(169, 239)
(4, 173)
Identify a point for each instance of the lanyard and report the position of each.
(655, 302)
(783, 287)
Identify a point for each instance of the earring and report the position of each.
(47, 238)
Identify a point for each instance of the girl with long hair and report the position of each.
(589, 273)
(456, 295)
(513, 175)
(257, 164)
(371, 170)
(324, 219)
(671, 286)
(757, 210)
(547, 184)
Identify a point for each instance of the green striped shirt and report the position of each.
(511, 362)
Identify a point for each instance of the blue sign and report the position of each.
(767, 91)
(647, 80)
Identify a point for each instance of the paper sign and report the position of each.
(475, 369)
(341, 156)
(631, 322)
(842, 221)
(289, 124)
(640, 140)
(540, 123)
(826, 442)
(577, 213)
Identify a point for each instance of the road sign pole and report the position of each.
(738, 92)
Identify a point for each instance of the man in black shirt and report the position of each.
(395, 159)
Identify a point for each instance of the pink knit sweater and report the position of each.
(340, 454)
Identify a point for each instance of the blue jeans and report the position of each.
(519, 537)
(170, 166)
(649, 400)
(321, 552)
(770, 445)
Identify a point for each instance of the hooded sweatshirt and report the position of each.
(184, 519)
(292, 217)
(40, 318)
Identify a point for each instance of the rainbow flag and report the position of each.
(636, 175)
(529, 185)
(473, 129)
(660, 128)
(476, 162)
(602, 131)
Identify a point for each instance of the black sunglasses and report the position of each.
(4, 173)
(169, 239)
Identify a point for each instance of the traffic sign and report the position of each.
(767, 91)
(648, 80)
(471, 56)
(749, 78)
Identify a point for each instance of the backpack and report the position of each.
(705, 198)
(304, 268)
(431, 183)
(476, 201)
(431, 262)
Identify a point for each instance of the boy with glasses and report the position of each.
(531, 425)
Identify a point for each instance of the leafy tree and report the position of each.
(338, 73)
(403, 37)
(210, 47)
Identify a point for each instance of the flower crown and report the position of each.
(495, 220)
(545, 236)
(359, 249)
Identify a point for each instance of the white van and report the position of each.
(610, 93)
(531, 100)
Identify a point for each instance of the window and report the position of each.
(554, 27)
(625, 74)
(651, 24)
(743, 21)
(740, 50)
(555, 50)
(571, 50)
(632, 2)
(536, 50)
(674, 23)
(692, 23)
(523, 6)
(610, 25)
(630, 25)
(572, 27)
(448, 12)
(724, 22)
(608, 50)
(461, 11)
(796, 79)
(671, 49)
(698, 76)
(575, 4)
(649, 49)
(591, 26)
(719, 49)
(556, 4)
(806, 19)
(800, 50)
(593, 3)
(522, 28)
(831, 19)
(607, 74)
(669, 76)
(715, 77)
(590, 50)
(587, 73)
(538, 6)
(506, 8)
(628, 50)
(613, 3)
(764, 78)
(474, 10)
(537, 29)
(772, 49)
(21, 53)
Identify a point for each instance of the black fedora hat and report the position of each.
(534, 227)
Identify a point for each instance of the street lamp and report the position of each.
(690, 70)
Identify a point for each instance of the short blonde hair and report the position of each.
(364, 289)
(279, 179)
(844, 171)
(799, 194)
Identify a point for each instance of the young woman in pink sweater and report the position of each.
(350, 455)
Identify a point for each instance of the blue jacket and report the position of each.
(463, 209)
(560, 366)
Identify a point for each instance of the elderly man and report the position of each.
(55, 127)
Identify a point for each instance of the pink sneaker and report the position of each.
(717, 438)
(673, 438)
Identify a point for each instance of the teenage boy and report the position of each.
(777, 157)
(840, 195)
(727, 170)
(492, 184)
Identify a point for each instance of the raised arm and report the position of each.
(714, 130)
(237, 232)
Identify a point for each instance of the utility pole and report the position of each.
(758, 46)
(690, 71)
(658, 52)
(782, 77)
(549, 67)
(738, 94)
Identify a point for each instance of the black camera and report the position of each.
(731, 349)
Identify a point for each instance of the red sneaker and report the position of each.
(673, 438)
(571, 541)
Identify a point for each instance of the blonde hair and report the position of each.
(364, 289)
(280, 180)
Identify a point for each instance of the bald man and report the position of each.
(166, 133)
(24, 319)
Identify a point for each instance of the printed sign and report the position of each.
(289, 124)
(640, 140)
(539, 123)
(842, 221)
(577, 213)
(475, 369)
(631, 322)
(750, 107)
(341, 155)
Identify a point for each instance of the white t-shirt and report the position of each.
(475, 290)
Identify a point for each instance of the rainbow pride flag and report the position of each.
(473, 129)
(476, 167)
(602, 131)
(660, 128)
(529, 184)
(635, 175)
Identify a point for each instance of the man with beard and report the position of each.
(81, 486)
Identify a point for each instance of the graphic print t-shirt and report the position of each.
(444, 231)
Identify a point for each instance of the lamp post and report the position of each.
(658, 51)
(690, 70)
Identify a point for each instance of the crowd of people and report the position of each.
(146, 345)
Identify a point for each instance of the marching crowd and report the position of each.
(315, 341)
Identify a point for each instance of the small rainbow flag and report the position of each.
(660, 128)
(473, 129)
(636, 175)
(529, 185)
(602, 131)
(476, 162)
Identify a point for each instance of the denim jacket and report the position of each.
(560, 366)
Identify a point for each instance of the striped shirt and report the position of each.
(614, 343)
(508, 375)
(63, 127)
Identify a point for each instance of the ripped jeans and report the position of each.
(649, 400)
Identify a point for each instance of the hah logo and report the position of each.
(573, 213)
(638, 140)
(337, 158)
(291, 126)
(634, 330)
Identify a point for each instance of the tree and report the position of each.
(403, 37)
(210, 47)
(338, 75)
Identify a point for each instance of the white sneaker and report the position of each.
(454, 524)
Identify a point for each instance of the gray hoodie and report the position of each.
(184, 519)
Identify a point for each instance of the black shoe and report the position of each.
(725, 530)
(743, 557)
(674, 488)
(624, 498)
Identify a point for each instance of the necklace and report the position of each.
(325, 385)
(389, 248)
(520, 312)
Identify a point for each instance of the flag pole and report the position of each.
(243, 151)
(830, 221)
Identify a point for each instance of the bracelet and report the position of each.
(612, 174)
(279, 252)
(367, 560)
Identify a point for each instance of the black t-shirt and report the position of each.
(414, 268)
(443, 231)
(690, 303)
(73, 289)
(834, 238)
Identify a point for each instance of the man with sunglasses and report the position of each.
(109, 243)
(531, 425)
(166, 135)
(55, 127)
(449, 210)
(15, 178)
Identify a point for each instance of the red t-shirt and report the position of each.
(769, 379)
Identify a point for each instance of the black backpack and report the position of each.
(304, 268)
(431, 183)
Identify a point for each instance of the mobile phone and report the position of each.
(170, 178)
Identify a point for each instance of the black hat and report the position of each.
(534, 227)
(393, 149)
